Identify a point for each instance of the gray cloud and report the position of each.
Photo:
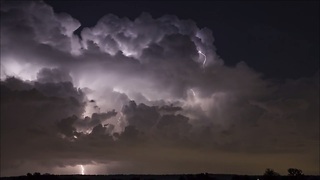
(53, 76)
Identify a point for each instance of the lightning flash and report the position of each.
(205, 58)
(193, 93)
(82, 169)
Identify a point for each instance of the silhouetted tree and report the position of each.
(294, 172)
(37, 174)
(270, 172)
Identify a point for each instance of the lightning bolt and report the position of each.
(205, 58)
(119, 119)
(82, 170)
(194, 94)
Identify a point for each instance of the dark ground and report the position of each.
(161, 177)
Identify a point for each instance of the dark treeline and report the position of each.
(269, 174)
(160, 177)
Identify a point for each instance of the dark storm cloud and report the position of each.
(138, 92)
(27, 120)
(53, 76)
(141, 116)
(66, 126)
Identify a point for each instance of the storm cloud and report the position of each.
(138, 94)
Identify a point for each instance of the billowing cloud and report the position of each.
(136, 93)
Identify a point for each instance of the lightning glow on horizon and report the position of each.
(82, 169)
(205, 58)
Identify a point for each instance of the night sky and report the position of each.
(159, 87)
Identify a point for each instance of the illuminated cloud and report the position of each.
(139, 93)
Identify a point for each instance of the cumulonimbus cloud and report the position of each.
(127, 86)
